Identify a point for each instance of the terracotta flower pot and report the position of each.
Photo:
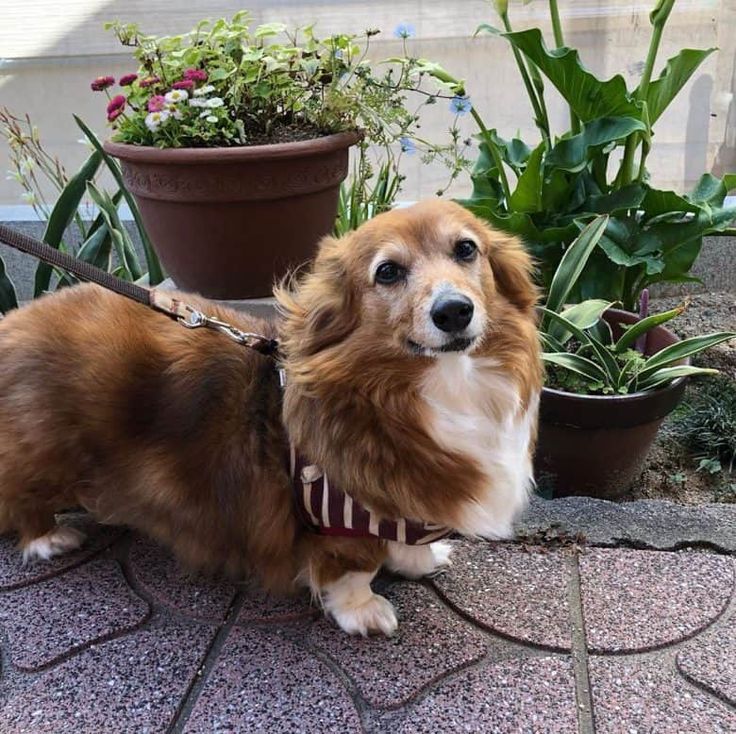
(596, 444)
(227, 222)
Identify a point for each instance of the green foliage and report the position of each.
(360, 201)
(99, 237)
(708, 427)
(226, 83)
(582, 354)
(564, 182)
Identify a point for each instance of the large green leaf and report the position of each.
(575, 363)
(665, 375)
(605, 359)
(120, 237)
(573, 262)
(685, 348)
(629, 337)
(527, 197)
(97, 248)
(8, 298)
(589, 97)
(673, 78)
(711, 190)
(572, 154)
(627, 197)
(657, 203)
(155, 272)
(584, 315)
(663, 234)
(62, 214)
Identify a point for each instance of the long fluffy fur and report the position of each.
(181, 434)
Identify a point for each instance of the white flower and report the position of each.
(155, 119)
(197, 102)
(29, 197)
(175, 112)
(176, 95)
(211, 118)
(214, 102)
(206, 89)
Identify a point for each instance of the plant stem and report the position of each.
(626, 173)
(494, 152)
(559, 42)
(540, 113)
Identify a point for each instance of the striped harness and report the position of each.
(327, 510)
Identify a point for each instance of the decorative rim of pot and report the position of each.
(269, 151)
(629, 398)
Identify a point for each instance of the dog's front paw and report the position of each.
(375, 615)
(416, 561)
(59, 540)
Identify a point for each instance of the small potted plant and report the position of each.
(234, 142)
(612, 377)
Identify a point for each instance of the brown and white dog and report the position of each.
(413, 377)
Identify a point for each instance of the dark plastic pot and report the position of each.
(596, 444)
(227, 222)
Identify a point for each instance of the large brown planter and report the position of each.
(597, 444)
(227, 222)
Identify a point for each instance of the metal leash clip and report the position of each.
(196, 319)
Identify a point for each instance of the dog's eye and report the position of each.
(465, 250)
(389, 273)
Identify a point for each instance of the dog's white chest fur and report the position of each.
(474, 409)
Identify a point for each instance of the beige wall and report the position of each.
(51, 49)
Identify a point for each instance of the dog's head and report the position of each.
(416, 282)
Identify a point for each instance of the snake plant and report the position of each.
(579, 347)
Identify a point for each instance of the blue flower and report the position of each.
(407, 146)
(405, 30)
(460, 105)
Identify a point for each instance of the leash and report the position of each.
(161, 301)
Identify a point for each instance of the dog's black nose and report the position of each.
(452, 313)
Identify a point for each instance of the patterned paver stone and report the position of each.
(648, 695)
(131, 684)
(264, 682)
(258, 606)
(710, 660)
(431, 641)
(518, 592)
(162, 577)
(639, 600)
(52, 618)
(533, 695)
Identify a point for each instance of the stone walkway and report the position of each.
(515, 637)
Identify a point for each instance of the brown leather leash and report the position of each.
(161, 301)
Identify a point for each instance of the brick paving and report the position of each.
(515, 637)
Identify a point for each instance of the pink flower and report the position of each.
(102, 82)
(149, 81)
(127, 80)
(187, 84)
(196, 75)
(115, 107)
(156, 103)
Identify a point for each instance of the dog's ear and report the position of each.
(320, 308)
(513, 270)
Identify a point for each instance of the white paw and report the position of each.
(441, 552)
(415, 561)
(374, 615)
(54, 543)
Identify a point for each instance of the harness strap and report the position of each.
(160, 300)
(325, 509)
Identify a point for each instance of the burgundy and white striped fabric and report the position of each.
(327, 510)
